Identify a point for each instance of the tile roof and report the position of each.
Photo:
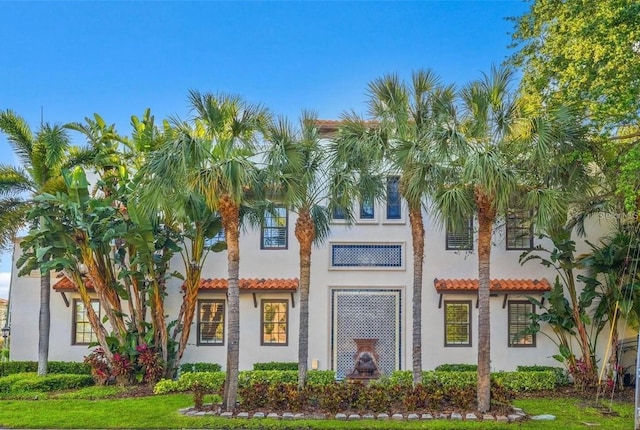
(247, 284)
(252, 284)
(497, 285)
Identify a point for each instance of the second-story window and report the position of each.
(274, 229)
(460, 239)
(367, 209)
(394, 201)
(519, 229)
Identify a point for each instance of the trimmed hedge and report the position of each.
(23, 382)
(276, 365)
(55, 367)
(457, 368)
(562, 377)
(519, 381)
(200, 367)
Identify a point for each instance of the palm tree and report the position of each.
(503, 155)
(219, 166)
(296, 169)
(42, 155)
(403, 115)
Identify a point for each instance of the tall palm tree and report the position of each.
(42, 156)
(219, 157)
(403, 115)
(296, 166)
(503, 154)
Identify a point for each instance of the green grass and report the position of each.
(88, 410)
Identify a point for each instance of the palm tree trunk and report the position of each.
(486, 217)
(230, 213)
(305, 233)
(417, 235)
(44, 323)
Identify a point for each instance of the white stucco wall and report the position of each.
(257, 263)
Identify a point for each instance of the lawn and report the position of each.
(85, 409)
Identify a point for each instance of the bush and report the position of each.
(200, 367)
(457, 368)
(21, 382)
(276, 365)
(526, 381)
(56, 367)
(562, 377)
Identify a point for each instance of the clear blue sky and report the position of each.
(71, 59)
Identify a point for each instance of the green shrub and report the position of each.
(250, 377)
(57, 367)
(276, 365)
(321, 377)
(457, 368)
(562, 376)
(200, 367)
(23, 382)
(399, 377)
(526, 381)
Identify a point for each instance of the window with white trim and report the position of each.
(457, 323)
(394, 199)
(275, 229)
(83, 333)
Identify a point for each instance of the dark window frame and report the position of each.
(394, 199)
(459, 237)
(75, 322)
(199, 322)
(363, 214)
(469, 323)
(263, 302)
(518, 216)
(285, 228)
(519, 326)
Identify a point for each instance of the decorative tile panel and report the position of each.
(365, 314)
(366, 255)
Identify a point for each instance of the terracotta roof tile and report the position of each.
(65, 284)
(497, 285)
(252, 284)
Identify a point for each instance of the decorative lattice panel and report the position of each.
(365, 314)
(366, 255)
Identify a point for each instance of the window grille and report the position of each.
(274, 229)
(518, 320)
(460, 239)
(211, 322)
(275, 322)
(394, 203)
(366, 255)
(83, 333)
(519, 230)
(457, 323)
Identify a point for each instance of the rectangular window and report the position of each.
(457, 323)
(211, 322)
(519, 319)
(460, 239)
(519, 230)
(366, 255)
(274, 230)
(394, 202)
(367, 209)
(275, 322)
(83, 333)
(212, 241)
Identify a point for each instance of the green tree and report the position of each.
(42, 156)
(400, 135)
(504, 155)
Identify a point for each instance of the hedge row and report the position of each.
(276, 365)
(55, 367)
(200, 367)
(23, 382)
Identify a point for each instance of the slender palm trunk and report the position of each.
(305, 233)
(417, 235)
(230, 213)
(486, 217)
(44, 323)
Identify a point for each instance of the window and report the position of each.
(519, 319)
(275, 322)
(519, 230)
(460, 239)
(211, 322)
(367, 209)
(274, 230)
(394, 206)
(366, 255)
(212, 241)
(83, 333)
(457, 323)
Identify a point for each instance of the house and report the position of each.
(361, 288)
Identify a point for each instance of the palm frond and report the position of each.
(18, 134)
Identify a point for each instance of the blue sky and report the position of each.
(68, 60)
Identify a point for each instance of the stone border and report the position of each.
(518, 415)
